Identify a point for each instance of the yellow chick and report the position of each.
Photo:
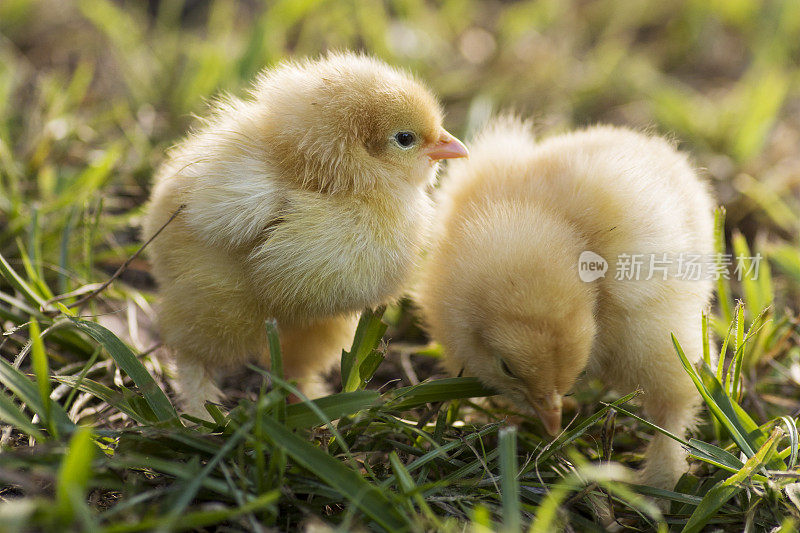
(503, 291)
(304, 202)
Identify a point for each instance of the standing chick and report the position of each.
(305, 202)
(501, 289)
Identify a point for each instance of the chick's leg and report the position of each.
(670, 401)
(643, 357)
(665, 459)
(195, 386)
(207, 333)
(310, 350)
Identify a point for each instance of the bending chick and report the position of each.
(501, 288)
(305, 202)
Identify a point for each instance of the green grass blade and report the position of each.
(81, 375)
(670, 495)
(16, 281)
(743, 421)
(63, 256)
(33, 263)
(199, 519)
(189, 490)
(439, 390)
(75, 472)
(442, 451)
(301, 415)
(13, 415)
(42, 372)
(348, 483)
(128, 362)
(410, 488)
(573, 433)
(28, 393)
(89, 180)
(726, 489)
(722, 352)
(18, 304)
(721, 457)
(367, 338)
(509, 484)
(762, 92)
(259, 440)
(547, 512)
(706, 346)
(276, 363)
(789, 525)
(787, 258)
(723, 285)
(311, 405)
(794, 439)
(756, 284)
(734, 429)
(700, 450)
(733, 379)
(118, 400)
(647, 423)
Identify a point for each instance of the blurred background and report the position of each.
(92, 93)
(112, 84)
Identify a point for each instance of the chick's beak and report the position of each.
(549, 412)
(447, 147)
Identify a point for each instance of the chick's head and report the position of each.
(534, 359)
(349, 122)
(510, 308)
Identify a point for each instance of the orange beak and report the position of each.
(447, 147)
(549, 412)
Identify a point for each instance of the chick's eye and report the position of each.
(506, 369)
(405, 138)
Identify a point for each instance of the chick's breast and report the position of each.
(333, 254)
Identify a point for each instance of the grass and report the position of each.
(93, 92)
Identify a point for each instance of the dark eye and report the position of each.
(506, 369)
(405, 138)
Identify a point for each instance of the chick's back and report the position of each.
(621, 191)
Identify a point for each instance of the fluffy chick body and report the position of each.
(296, 206)
(501, 291)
